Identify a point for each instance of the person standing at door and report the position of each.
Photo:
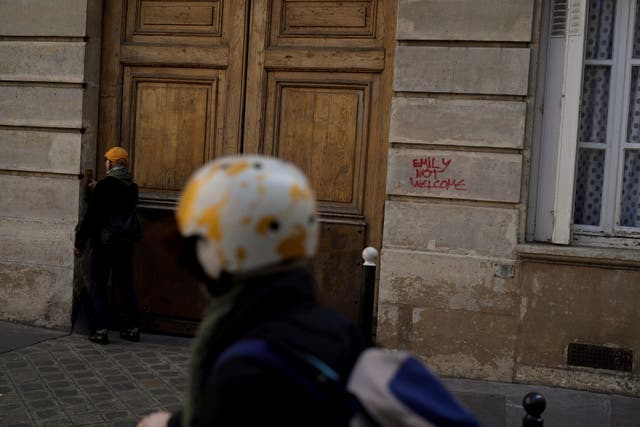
(111, 226)
(249, 225)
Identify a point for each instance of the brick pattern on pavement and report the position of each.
(70, 381)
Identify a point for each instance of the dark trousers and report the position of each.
(115, 260)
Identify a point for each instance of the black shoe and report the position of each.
(99, 337)
(132, 335)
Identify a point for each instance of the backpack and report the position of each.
(385, 388)
(122, 227)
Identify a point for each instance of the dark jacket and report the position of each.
(114, 196)
(243, 392)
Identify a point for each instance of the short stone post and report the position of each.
(534, 404)
(367, 292)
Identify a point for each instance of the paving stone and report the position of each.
(127, 396)
(66, 392)
(49, 369)
(48, 361)
(92, 360)
(43, 403)
(82, 354)
(109, 405)
(60, 350)
(166, 400)
(161, 391)
(128, 422)
(35, 395)
(95, 389)
(88, 381)
(133, 367)
(173, 407)
(15, 416)
(20, 424)
(119, 353)
(151, 383)
(110, 373)
(177, 382)
(123, 386)
(73, 400)
(163, 367)
(77, 367)
(51, 377)
(60, 384)
(9, 397)
(79, 408)
(116, 378)
(6, 407)
(144, 411)
(104, 364)
(103, 397)
(117, 415)
(48, 413)
(87, 418)
(59, 422)
(144, 375)
(70, 360)
(16, 365)
(171, 373)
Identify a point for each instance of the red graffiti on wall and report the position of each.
(427, 171)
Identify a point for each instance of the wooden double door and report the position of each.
(184, 82)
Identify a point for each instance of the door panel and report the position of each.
(337, 268)
(309, 81)
(171, 94)
(170, 301)
(169, 116)
(176, 21)
(315, 74)
(316, 121)
(325, 18)
(329, 23)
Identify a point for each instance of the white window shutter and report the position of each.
(563, 84)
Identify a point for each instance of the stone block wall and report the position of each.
(49, 59)
(459, 285)
(448, 285)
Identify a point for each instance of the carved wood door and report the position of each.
(186, 81)
(318, 94)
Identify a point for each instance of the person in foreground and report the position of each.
(249, 226)
(111, 225)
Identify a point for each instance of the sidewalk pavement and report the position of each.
(50, 378)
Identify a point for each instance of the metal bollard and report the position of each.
(367, 290)
(534, 404)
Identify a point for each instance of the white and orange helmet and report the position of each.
(249, 212)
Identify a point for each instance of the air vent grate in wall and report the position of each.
(600, 357)
(559, 18)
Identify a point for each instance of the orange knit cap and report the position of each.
(116, 153)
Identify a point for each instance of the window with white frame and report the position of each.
(607, 187)
(589, 125)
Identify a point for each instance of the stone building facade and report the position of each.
(49, 71)
(462, 280)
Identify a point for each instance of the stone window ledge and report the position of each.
(605, 257)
